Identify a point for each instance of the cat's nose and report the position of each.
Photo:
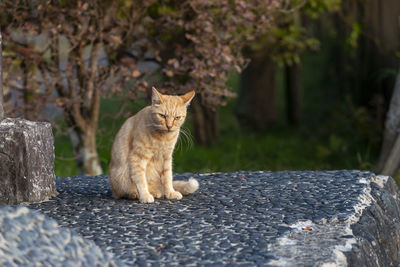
(169, 127)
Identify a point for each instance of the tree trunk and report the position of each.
(82, 128)
(1, 80)
(205, 123)
(392, 163)
(30, 112)
(389, 160)
(293, 93)
(82, 106)
(377, 50)
(255, 107)
(84, 146)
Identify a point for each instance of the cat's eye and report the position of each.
(178, 117)
(162, 115)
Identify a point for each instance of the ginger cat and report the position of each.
(141, 156)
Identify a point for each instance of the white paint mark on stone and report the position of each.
(7, 123)
(209, 173)
(380, 180)
(363, 181)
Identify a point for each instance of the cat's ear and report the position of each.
(188, 97)
(156, 98)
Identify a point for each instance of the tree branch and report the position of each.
(93, 73)
(75, 100)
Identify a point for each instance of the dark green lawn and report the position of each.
(279, 148)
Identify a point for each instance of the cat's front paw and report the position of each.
(173, 195)
(148, 198)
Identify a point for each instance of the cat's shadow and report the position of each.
(98, 189)
(94, 189)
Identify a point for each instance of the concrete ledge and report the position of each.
(323, 218)
(370, 236)
(378, 229)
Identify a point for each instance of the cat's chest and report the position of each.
(160, 153)
(161, 150)
(162, 147)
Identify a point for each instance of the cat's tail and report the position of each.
(186, 187)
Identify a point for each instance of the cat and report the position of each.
(141, 155)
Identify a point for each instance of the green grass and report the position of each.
(279, 148)
(276, 150)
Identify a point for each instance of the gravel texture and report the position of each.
(28, 238)
(300, 218)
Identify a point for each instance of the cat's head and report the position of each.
(169, 111)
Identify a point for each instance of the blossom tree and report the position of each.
(79, 54)
(198, 44)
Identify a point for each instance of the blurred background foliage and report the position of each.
(281, 85)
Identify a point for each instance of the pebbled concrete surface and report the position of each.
(301, 218)
(28, 238)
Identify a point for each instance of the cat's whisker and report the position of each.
(179, 144)
(187, 138)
